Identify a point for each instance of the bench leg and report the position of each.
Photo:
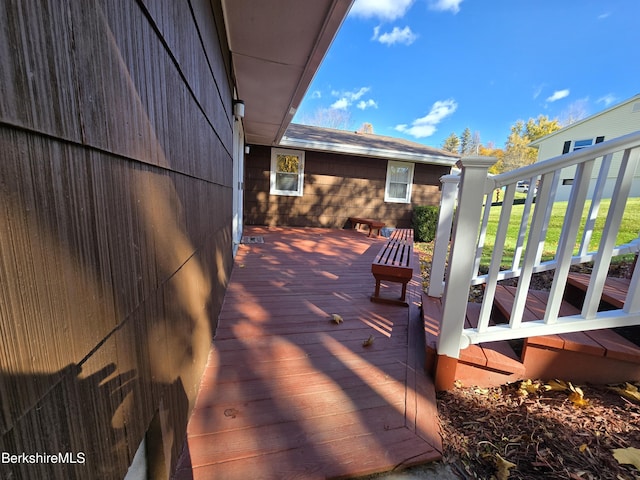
(377, 294)
(401, 301)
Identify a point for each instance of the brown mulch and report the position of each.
(543, 433)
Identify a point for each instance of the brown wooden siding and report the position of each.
(115, 215)
(336, 187)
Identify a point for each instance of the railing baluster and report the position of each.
(612, 225)
(547, 214)
(496, 258)
(531, 252)
(595, 203)
(567, 240)
(524, 223)
(483, 233)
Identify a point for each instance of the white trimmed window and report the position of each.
(287, 172)
(399, 181)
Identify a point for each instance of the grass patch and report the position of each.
(628, 229)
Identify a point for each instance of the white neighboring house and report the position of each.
(613, 122)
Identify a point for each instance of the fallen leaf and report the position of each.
(337, 318)
(528, 387)
(503, 467)
(629, 391)
(627, 456)
(583, 447)
(577, 397)
(368, 342)
(557, 385)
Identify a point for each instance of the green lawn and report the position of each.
(629, 229)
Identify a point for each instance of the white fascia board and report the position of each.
(367, 151)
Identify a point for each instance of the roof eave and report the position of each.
(360, 151)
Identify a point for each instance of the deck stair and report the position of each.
(491, 363)
(598, 356)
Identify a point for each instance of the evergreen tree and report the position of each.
(451, 143)
(465, 142)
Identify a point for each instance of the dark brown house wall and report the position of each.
(336, 187)
(115, 242)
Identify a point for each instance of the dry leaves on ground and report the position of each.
(544, 433)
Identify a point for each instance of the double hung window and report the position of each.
(287, 172)
(399, 181)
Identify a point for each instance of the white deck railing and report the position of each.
(465, 210)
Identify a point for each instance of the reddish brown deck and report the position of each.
(287, 393)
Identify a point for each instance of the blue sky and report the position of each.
(422, 69)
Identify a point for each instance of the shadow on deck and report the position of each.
(287, 393)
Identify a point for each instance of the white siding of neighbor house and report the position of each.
(616, 121)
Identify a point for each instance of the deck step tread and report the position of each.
(497, 355)
(604, 343)
(614, 291)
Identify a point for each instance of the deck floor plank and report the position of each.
(287, 392)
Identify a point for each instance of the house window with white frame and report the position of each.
(399, 180)
(287, 172)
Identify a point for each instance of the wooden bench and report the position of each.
(373, 225)
(394, 263)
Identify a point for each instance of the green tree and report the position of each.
(451, 143)
(466, 147)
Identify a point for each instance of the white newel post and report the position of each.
(443, 234)
(463, 251)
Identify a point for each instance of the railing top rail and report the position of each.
(631, 140)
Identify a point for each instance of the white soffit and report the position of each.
(276, 48)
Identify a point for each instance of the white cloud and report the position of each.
(426, 126)
(445, 5)
(362, 104)
(341, 104)
(558, 95)
(349, 98)
(316, 94)
(382, 9)
(604, 15)
(405, 36)
(537, 90)
(608, 99)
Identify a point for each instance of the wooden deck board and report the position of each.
(614, 292)
(290, 394)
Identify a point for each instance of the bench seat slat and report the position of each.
(394, 263)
